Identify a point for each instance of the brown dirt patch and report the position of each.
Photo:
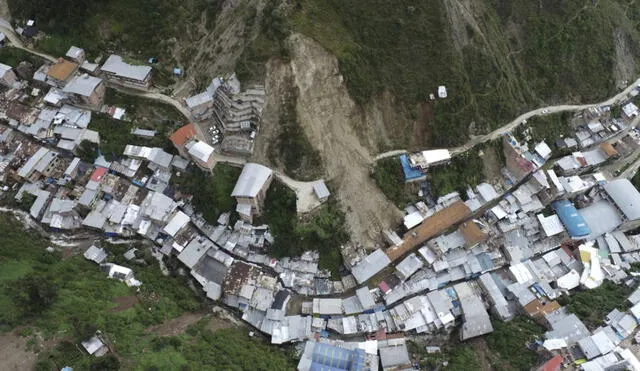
(329, 118)
(175, 326)
(14, 354)
(218, 323)
(491, 164)
(483, 354)
(124, 303)
(67, 252)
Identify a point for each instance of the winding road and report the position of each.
(519, 120)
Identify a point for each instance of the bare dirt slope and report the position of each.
(13, 353)
(329, 118)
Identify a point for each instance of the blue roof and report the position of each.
(331, 358)
(572, 220)
(409, 172)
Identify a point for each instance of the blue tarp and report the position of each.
(572, 220)
(409, 172)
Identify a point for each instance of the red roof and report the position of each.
(98, 173)
(384, 287)
(182, 135)
(552, 365)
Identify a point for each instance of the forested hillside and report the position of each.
(497, 58)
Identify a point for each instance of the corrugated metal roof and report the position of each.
(114, 64)
(83, 85)
(251, 180)
(625, 196)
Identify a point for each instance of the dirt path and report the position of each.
(328, 116)
(175, 326)
(14, 354)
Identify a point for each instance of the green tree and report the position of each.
(34, 294)
(106, 363)
(87, 151)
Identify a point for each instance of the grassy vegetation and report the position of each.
(548, 128)
(389, 177)
(464, 170)
(458, 357)
(566, 41)
(636, 180)
(592, 306)
(201, 348)
(508, 342)
(142, 113)
(273, 30)
(211, 192)
(144, 28)
(13, 56)
(301, 161)
(323, 231)
(67, 300)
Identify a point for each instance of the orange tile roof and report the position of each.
(431, 227)
(182, 135)
(62, 70)
(553, 364)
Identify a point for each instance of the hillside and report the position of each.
(347, 80)
(496, 58)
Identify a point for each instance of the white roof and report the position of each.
(176, 223)
(630, 109)
(413, 219)
(436, 155)
(4, 69)
(92, 345)
(75, 52)
(31, 163)
(551, 224)
(327, 306)
(625, 196)
(251, 180)
(72, 166)
(198, 99)
(555, 180)
(200, 150)
(543, 150)
(521, 273)
(82, 85)
(321, 190)
(114, 64)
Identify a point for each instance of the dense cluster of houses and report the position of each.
(499, 252)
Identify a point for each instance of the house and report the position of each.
(251, 189)
(200, 104)
(201, 153)
(76, 55)
(85, 90)
(61, 72)
(117, 70)
(7, 76)
(321, 191)
(120, 273)
(95, 347)
(394, 355)
(42, 164)
(95, 254)
(182, 136)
